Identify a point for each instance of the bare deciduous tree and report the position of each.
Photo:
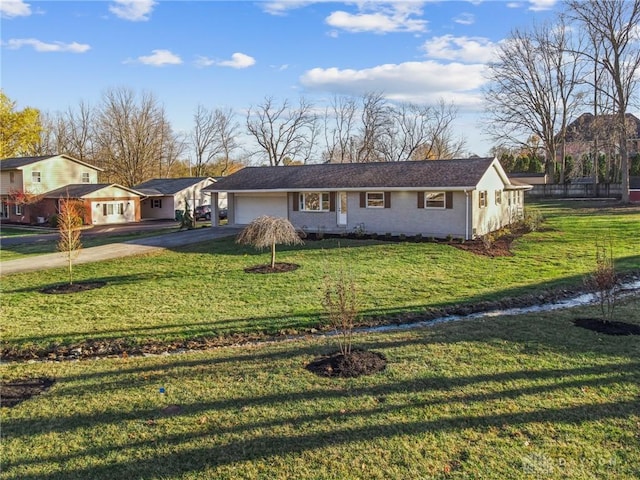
(76, 126)
(379, 131)
(133, 137)
(441, 141)
(613, 28)
(534, 87)
(375, 121)
(214, 138)
(283, 132)
(339, 129)
(340, 301)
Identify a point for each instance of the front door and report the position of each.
(342, 208)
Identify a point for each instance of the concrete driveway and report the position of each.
(118, 250)
(93, 231)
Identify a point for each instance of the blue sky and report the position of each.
(55, 54)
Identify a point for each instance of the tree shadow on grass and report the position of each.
(257, 440)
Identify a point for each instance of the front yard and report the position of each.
(526, 397)
(202, 292)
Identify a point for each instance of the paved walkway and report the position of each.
(117, 250)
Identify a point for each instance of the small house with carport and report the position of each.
(461, 198)
(166, 196)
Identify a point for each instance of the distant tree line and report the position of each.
(129, 136)
(586, 60)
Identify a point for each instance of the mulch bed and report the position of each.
(64, 288)
(280, 267)
(16, 391)
(357, 363)
(499, 246)
(608, 328)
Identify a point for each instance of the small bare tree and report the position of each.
(603, 281)
(69, 226)
(266, 232)
(340, 301)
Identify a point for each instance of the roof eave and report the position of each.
(350, 189)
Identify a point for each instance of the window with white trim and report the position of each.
(36, 177)
(12, 177)
(434, 200)
(375, 200)
(4, 210)
(19, 209)
(156, 203)
(86, 178)
(314, 202)
(482, 198)
(498, 197)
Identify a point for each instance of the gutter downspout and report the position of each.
(466, 216)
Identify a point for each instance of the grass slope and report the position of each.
(202, 290)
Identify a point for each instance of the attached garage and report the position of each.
(248, 207)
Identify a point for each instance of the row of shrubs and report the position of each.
(531, 222)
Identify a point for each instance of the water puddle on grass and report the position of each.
(625, 290)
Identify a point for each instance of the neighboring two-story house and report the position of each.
(31, 189)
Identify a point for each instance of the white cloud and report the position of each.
(540, 5)
(281, 7)
(464, 49)
(465, 19)
(422, 82)
(514, 5)
(238, 60)
(202, 61)
(133, 10)
(40, 46)
(14, 8)
(380, 18)
(160, 58)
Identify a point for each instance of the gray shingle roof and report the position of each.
(19, 162)
(78, 190)
(167, 186)
(420, 174)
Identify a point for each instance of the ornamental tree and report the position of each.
(266, 231)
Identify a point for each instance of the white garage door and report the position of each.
(249, 207)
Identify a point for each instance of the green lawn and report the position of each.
(526, 397)
(12, 252)
(12, 231)
(202, 290)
